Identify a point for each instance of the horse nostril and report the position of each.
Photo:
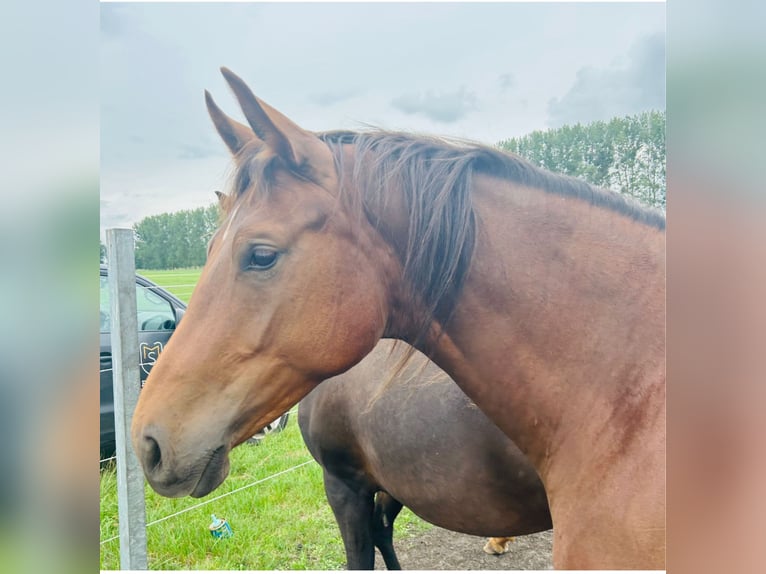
(152, 453)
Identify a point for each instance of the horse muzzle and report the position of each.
(175, 473)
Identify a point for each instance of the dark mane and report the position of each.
(436, 239)
(491, 161)
(436, 176)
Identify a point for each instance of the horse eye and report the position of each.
(262, 258)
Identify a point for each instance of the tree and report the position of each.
(173, 240)
(624, 154)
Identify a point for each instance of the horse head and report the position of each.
(295, 290)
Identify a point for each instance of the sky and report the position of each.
(485, 72)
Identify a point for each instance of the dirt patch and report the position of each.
(440, 549)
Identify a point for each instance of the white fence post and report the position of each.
(127, 383)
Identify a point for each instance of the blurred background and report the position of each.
(48, 287)
(715, 286)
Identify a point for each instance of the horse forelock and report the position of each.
(253, 173)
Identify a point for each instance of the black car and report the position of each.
(158, 314)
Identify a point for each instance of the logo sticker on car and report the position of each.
(149, 353)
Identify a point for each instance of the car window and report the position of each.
(154, 312)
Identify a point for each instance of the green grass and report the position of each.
(284, 523)
(180, 282)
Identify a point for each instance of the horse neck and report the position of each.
(560, 324)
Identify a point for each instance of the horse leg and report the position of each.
(353, 511)
(498, 545)
(386, 510)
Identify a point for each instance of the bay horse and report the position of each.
(414, 440)
(541, 296)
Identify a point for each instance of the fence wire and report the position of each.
(195, 506)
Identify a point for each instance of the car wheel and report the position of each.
(274, 426)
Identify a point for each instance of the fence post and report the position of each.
(131, 505)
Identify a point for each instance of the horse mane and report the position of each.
(435, 181)
(509, 166)
(436, 178)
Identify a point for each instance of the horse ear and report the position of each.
(234, 134)
(223, 201)
(302, 150)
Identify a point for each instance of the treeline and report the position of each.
(173, 240)
(624, 154)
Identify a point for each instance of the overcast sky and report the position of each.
(484, 72)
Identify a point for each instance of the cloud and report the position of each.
(506, 81)
(601, 94)
(201, 150)
(445, 108)
(326, 99)
(115, 21)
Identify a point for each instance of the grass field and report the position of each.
(281, 523)
(180, 282)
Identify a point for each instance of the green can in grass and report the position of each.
(220, 528)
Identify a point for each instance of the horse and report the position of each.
(540, 295)
(417, 441)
